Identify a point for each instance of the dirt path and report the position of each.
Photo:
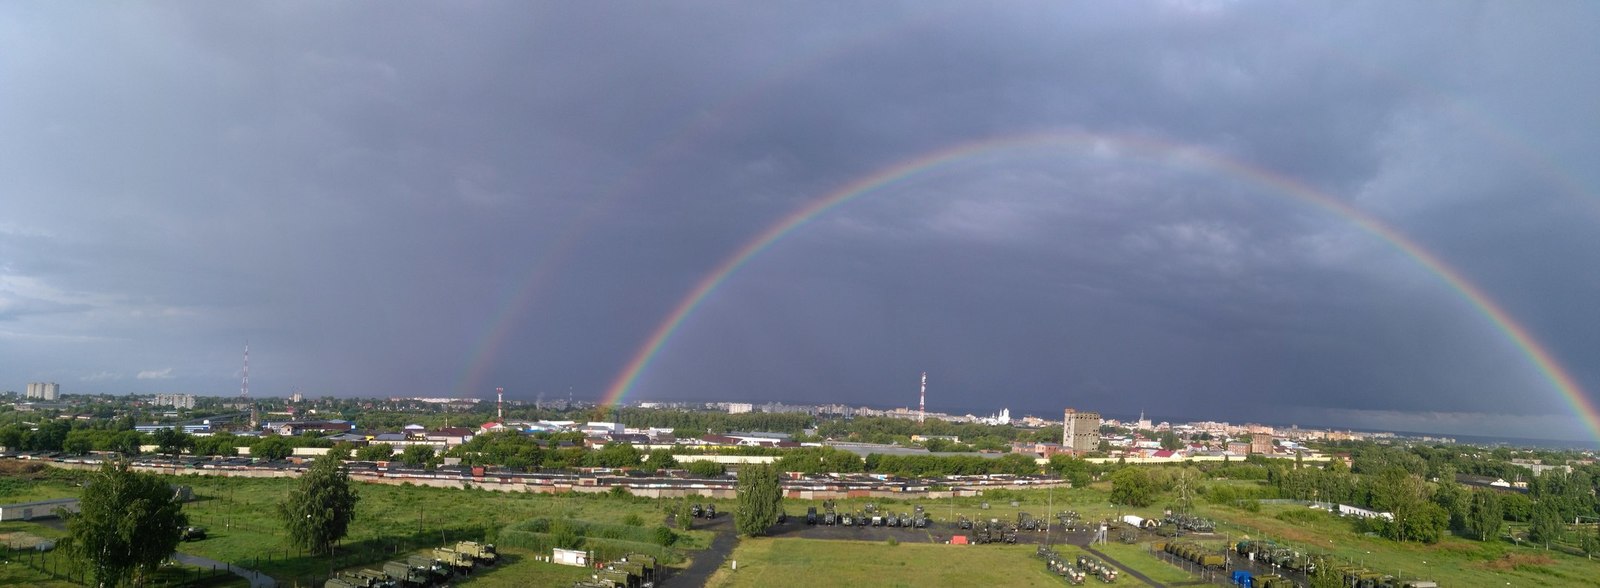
(708, 560)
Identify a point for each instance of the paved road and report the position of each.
(257, 579)
(707, 561)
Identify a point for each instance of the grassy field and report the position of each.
(1454, 561)
(809, 563)
(390, 521)
(1139, 558)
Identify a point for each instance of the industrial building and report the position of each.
(1080, 431)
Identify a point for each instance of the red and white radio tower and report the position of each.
(922, 400)
(244, 386)
(500, 405)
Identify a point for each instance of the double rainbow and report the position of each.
(1536, 353)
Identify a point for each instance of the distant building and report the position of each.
(1080, 431)
(740, 407)
(1261, 443)
(175, 400)
(44, 391)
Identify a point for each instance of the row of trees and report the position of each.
(128, 523)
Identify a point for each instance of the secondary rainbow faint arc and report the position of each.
(1541, 358)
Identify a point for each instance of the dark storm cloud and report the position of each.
(421, 199)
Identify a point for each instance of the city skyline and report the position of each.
(1326, 212)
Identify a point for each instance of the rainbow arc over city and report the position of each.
(1121, 145)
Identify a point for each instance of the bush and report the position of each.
(706, 468)
(665, 537)
(633, 520)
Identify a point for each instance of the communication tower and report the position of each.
(244, 385)
(922, 400)
(500, 405)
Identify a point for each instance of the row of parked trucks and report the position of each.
(1195, 553)
(437, 567)
(635, 570)
(869, 517)
(1282, 557)
(1059, 565)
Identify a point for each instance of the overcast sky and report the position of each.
(435, 199)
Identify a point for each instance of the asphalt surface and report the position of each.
(706, 561)
(256, 579)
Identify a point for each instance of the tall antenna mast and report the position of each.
(500, 405)
(244, 385)
(922, 400)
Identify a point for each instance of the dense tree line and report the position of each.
(693, 424)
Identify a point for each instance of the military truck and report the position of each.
(877, 520)
(482, 552)
(963, 522)
(634, 569)
(695, 511)
(811, 515)
(711, 511)
(438, 569)
(458, 561)
(406, 574)
(1025, 521)
(648, 563)
(618, 578)
(376, 578)
(192, 533)
(847, 520)
(905, 520)
(361, 579)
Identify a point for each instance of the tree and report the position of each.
(615, 455)
(707, 468)
(660, 459)
(760, 499)
(1546, 527)
(78, 442)
(1590, 544)
(1074, 469)
(1016, 464)
(127, 443)
(1132, 486)
(272, 449)
(1169, 441)
(127, 523)
(375, 452)
(1485, 515)
(171, 441)
(223, 443)
(317, 513)
(417, 455)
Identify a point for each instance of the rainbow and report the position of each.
(1536, 353)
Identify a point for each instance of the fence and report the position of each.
(61, 567)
